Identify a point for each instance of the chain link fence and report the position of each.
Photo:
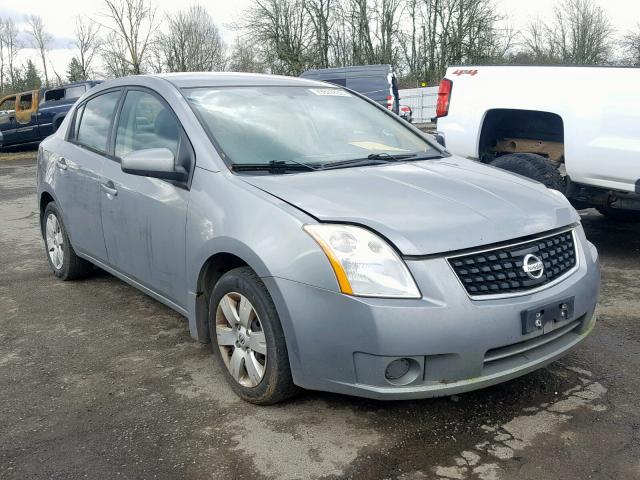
(422, 102)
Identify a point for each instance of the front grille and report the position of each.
(500, 270)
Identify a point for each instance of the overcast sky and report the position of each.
(59, 17)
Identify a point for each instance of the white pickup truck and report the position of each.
(575, 129)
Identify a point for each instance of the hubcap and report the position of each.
(241, 339)
(55, 242)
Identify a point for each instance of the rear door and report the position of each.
(79, 172)
(26, 117)
(8, 120)
(144, 218)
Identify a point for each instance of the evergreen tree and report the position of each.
(74, 71)
(32, 79)
(26, 78)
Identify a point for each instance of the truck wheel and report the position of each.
(534, 167)
(247, 338)
(619, 214)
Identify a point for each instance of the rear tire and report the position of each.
(247, 339)
(62, 258)
(534, 167)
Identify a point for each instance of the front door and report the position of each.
(8, 120)
(144, 218)
(26, 117)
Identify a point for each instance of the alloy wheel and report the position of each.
(241, 339)
(55, 241)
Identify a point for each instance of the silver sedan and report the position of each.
(315, 239)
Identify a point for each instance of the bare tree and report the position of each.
(438, 33)
(132, 25)
(244, 58)
(280, 30)
(114, 56)
(2, 46)
(192, 43)
(13, 45)
(387, 20)
(579, 33)
(631, 46)
(41, 40)
(88, 43)
(421, 36)
(321, 13)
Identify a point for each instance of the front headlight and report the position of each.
(363, 262)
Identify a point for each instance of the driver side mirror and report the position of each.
(155, 163)
(440, 139)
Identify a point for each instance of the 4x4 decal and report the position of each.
(466, 72)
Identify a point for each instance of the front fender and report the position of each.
(227, 215)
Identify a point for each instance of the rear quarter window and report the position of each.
(75, 92)
(54, 95)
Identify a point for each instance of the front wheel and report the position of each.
(534, 167)
(247, 338)
(61, 256)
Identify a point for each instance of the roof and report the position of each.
(232, 79)
(377, 68)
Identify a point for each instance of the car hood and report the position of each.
(426, 207)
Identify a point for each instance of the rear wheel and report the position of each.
(534, 167)
(62, 258)
(247, 338)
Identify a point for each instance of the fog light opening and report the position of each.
(402, 371)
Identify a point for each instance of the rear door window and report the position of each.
(93, 131)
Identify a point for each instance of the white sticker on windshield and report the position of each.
(333, 92)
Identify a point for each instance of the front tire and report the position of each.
(62, 258)
(247, 338)
(534, 167)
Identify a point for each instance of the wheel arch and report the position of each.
(46, 197)
(501, 123)
(224, 255)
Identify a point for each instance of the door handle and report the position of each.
(109, 188)
(62, 163)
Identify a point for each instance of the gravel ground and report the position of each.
(98, 380)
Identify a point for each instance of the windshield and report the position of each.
(309, 125)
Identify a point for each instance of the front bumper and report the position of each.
(344, 344)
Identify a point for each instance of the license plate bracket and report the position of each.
(537, 318)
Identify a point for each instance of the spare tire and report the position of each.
(534, 167)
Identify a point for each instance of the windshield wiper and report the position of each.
(274, 166)
(378, 159)
(390, 157)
